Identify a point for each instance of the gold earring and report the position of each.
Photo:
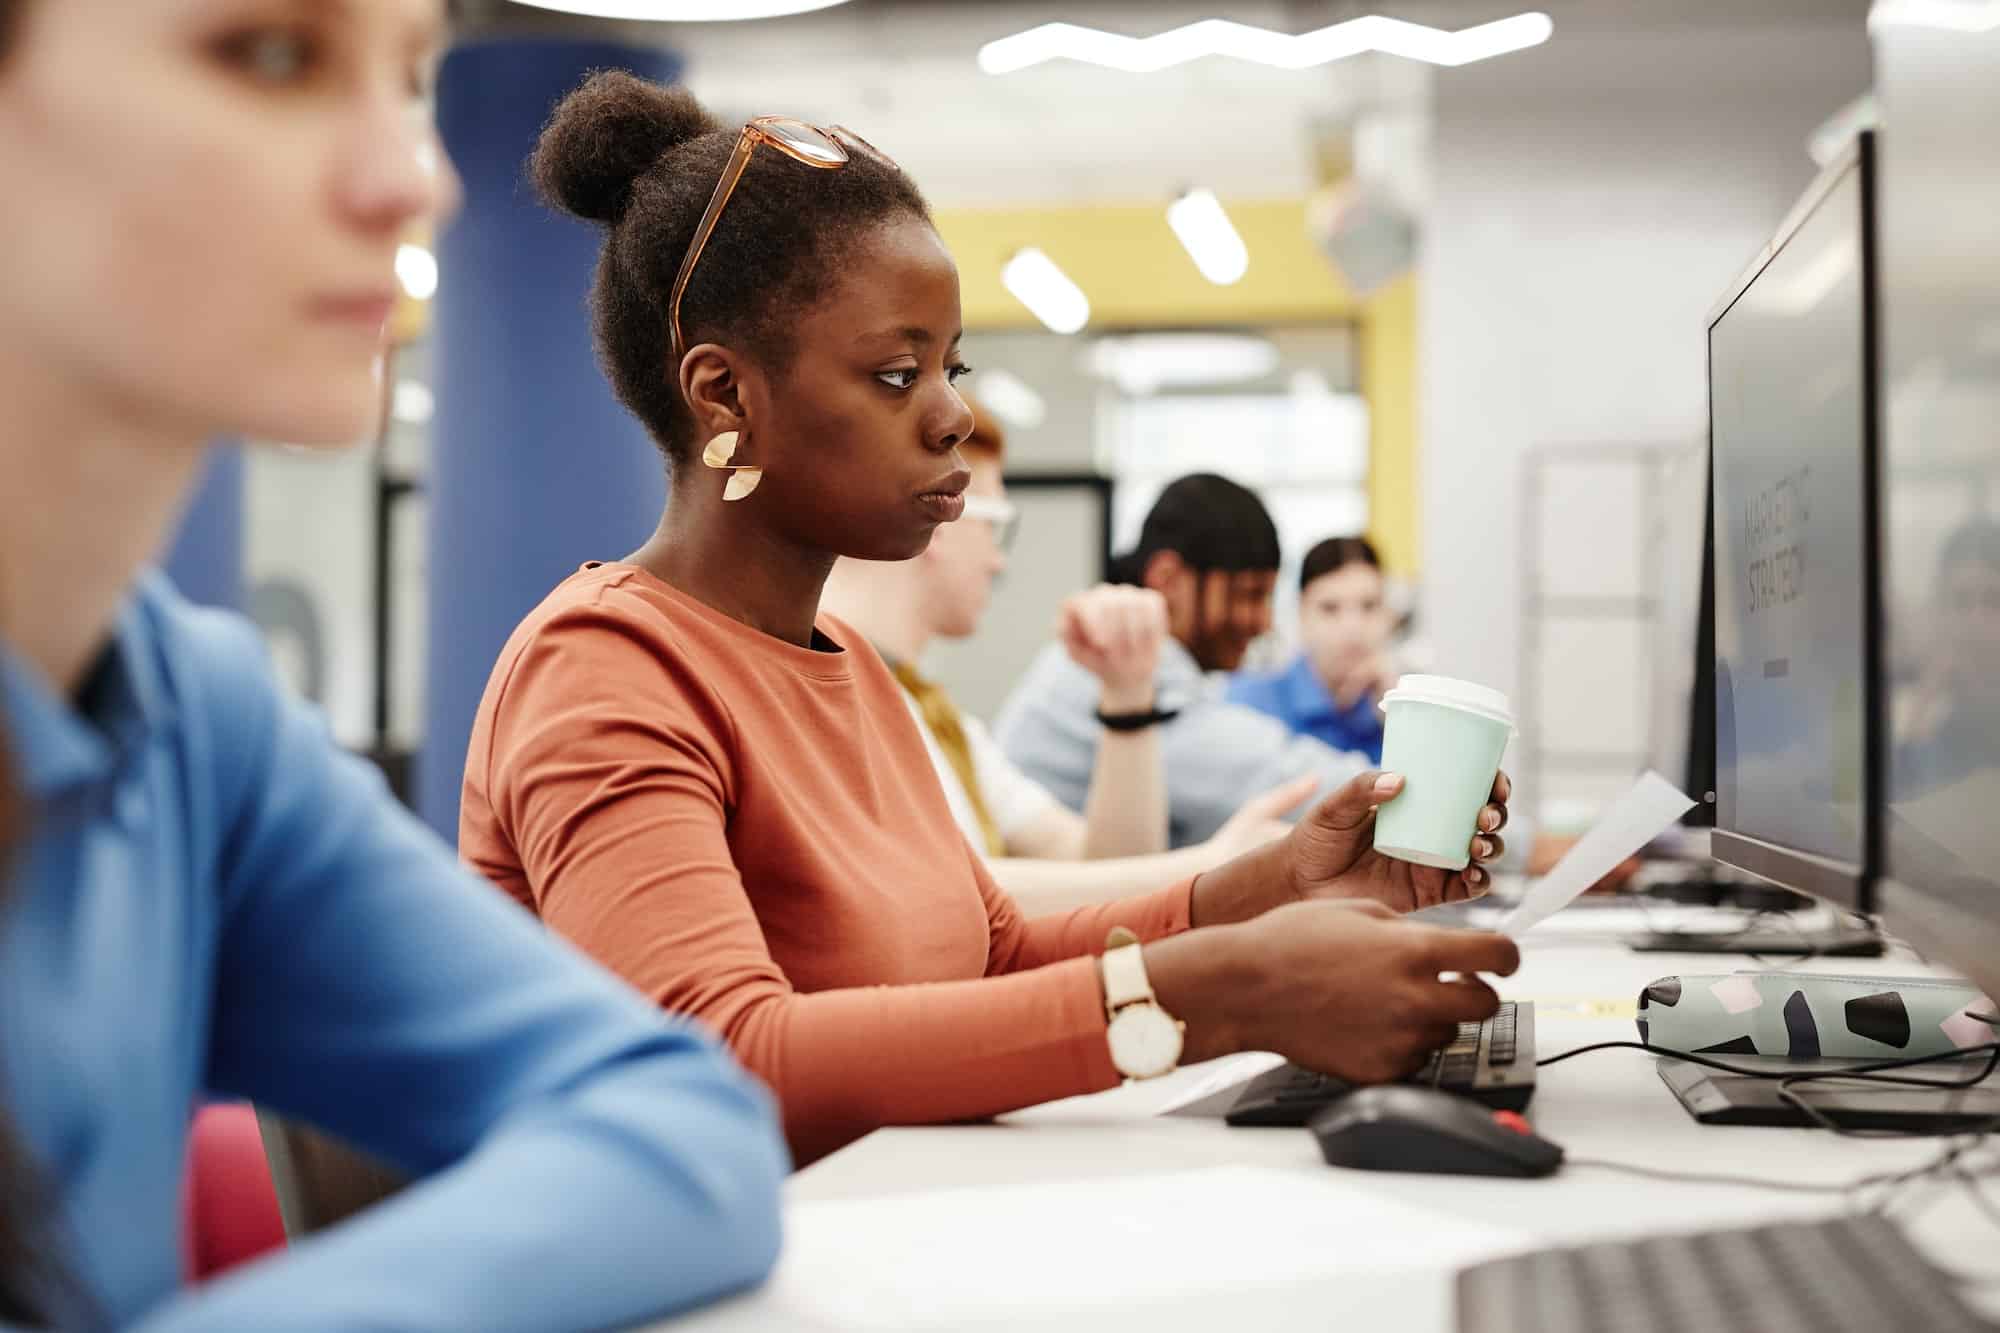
(743, 480)
(720, 450)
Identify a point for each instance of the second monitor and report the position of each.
(1792, 420)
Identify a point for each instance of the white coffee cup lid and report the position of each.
(1449, 692)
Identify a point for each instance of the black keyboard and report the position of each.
(1491, 1062)
(1849, 1275)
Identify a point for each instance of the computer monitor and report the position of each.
(1940, 96)
(1700, 762)
(1791, 356)
(1682, 726)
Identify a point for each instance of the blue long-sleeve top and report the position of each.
(216, 900)
(1215, 754)
(1298, 698)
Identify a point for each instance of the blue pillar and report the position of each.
(535, 467)
(205, 558)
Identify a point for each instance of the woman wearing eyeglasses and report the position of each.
(683, 766)
(1047, 856)
(204, 200)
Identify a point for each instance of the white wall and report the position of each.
(1592, 200)
(309, 520)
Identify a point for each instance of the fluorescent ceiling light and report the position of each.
(1046, 290)
(1143, 363)
(1011, 398)
(684, 11)
(1212, 241)
(1223, 37)
(417, 270)
(1945, 15)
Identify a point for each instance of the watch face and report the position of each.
(1144, 1041)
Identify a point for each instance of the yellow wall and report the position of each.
(1389, 380)
(1136, 274)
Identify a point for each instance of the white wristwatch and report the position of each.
(1145, 1039)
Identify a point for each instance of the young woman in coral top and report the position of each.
(684, 767)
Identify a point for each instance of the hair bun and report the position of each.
(605, 135)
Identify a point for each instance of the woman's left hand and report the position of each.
(1333, 850)
(1330, 854)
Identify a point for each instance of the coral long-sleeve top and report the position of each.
(751, 832)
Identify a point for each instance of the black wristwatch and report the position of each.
(1136, 721)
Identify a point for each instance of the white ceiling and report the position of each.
(904, 75)
(902, 72)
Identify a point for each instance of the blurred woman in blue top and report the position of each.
(1332, 690)
(204, 200)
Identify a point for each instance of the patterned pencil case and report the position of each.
(1806, 1014)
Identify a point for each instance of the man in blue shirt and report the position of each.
(1333, 688)
(1210, 548)
(214, 900)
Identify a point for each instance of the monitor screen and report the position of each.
(1791, 454)
(1941, 493)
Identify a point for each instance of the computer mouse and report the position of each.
(1401, 1128)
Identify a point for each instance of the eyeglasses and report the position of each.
(825, 149)
(1001, 516)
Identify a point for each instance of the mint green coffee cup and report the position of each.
(1445, 737)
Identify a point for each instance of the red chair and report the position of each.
(229, 1212)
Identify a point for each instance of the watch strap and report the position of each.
(1136, 721)
(1125, 980)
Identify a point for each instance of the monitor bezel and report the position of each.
(1850, 885)
(1699, 767)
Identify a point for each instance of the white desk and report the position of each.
(1606, 1105)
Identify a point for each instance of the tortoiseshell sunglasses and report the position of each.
(826, 149)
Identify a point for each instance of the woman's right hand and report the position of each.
(1345, 988)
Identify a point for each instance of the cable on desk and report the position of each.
(1812, 951)
(1970, 1179)
(1845, 1187)
(1763, 916)
(1714, 1178)
(1863, 1075)
(1900, 1183)
(1787, 1186)
(1873, 1073)
(1867, 1073)
(1946, 1165)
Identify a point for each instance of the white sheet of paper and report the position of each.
(1229, 1246)
(1228, 1072)
(1147, 1097)
(1635, 819)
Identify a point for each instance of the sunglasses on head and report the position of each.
(825, 149)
